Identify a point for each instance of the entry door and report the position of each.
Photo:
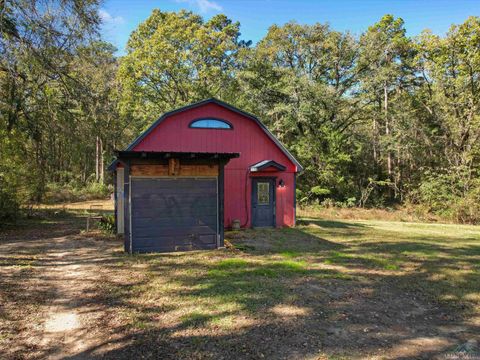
(263, 202)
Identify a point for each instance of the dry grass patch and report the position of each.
(106, 204)
(411, 214)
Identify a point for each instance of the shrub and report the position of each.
(453, 195)
(319, 191)
(9, 206)
(467, 209)
(328, 203)
(107, 224)
(438, 191)
(351, 202)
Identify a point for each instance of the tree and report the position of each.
(303, 81)
(96, 68)
(38, 40)
(386, 55)
(177, 58)
(375, 120)
(450, 69)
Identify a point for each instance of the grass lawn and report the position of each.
(327, 289)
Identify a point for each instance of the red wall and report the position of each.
(246, 138)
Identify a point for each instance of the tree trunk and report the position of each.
(101, 165)
(387, 129)
(374, 142)
(97, 159)
(84, 172)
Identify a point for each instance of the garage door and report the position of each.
(173, 214)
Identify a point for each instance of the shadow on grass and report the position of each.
(338, 316)
(46, 223)
(353, 259)
(425, 246)
(177, 304)
(429, 257)
(250, 285)
(330, 224)
(276, 241)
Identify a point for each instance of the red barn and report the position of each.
(197, 170)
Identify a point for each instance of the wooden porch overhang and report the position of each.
(123, 156)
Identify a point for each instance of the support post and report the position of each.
(294, 199)
(115, 201)
(126, 212)
(221, 197)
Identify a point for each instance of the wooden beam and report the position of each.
(198, 170)
(221, 202)
(126, 203)
(173, 167)
(149, 170)
(174, 170)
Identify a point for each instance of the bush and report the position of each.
(467, 209)
(331, 203)
(107, 224)
(438, 191)
(351, 202)
(9, 206)
(453, 195)
(328, 203)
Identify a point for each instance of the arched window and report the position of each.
(210, 124)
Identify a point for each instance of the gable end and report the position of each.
(227, 106)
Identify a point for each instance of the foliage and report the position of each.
(57, 90)
(453, 194)
(9, 205)
(301, 79)
(107, 223)
(377, 120)
(177, 58)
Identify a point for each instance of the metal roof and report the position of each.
(266, 164)
(174, 154)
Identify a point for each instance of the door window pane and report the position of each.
(263, 193)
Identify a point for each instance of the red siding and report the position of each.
(246, 138)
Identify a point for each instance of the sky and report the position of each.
(121, 17)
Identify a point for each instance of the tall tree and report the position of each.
(305, 77)
(449, 101)
(176, 58)
(38, 40)
(450, 73)
(386, 55)
(95, 68)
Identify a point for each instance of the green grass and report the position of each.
(319, 268)
(423, 255)
(279, 291)
(365, 260)
(289, 254)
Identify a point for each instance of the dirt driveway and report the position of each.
(49, 280)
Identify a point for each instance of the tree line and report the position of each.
(381, 119)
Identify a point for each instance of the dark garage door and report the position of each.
(174, 214)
